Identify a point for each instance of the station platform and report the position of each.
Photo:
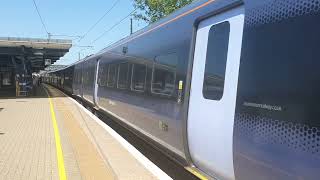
(51, 136)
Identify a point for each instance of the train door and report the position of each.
(96, 86)
(82, 78)
(213, 92)
(62, 79)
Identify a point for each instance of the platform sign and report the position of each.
(47, 62)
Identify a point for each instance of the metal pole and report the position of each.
(130, 25)
(49, 36)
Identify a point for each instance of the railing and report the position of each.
(36, 40)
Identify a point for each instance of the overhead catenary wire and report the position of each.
(82, 46)
(99, 20)
(41, 19)
(65, 35)
(45, 27)
(71, 37)
(116, 24)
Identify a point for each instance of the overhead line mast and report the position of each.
(116, 24)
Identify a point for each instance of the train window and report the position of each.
(75, 76)
(85, 76)
(168, 59)
(123, 76)
(78, 76)
(99, 75)
(112, 75)
(163, 79)
(103, 72)
(138, 79)
(216, 61)
(91, 75)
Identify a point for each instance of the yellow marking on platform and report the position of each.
(62, 171)
(196, 173)
(90, 160)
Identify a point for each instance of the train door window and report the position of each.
(91, 74)
(216, 60)
(138, 78)
(123, 76)
(103, 74)
(112, 75)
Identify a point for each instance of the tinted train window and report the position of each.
(139, 72)
(216, 61)
(92, 75)
(112, 75)
(164, 72)
(163, 80)
(87, 77)
(123, 77)
(103, 72)
(76, 76)
(79, 76)
(168, 59)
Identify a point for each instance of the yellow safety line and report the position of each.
(196, 173)
(62, 171)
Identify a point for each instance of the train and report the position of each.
(230, 89)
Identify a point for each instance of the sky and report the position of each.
(19, 18)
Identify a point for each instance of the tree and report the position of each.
(153, 10)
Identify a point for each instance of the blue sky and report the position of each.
(67, 17)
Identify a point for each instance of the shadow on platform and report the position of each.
(36, 92)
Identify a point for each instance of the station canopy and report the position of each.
(39, 53)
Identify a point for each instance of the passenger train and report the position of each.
(229, 88)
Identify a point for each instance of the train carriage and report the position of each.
(229, 88)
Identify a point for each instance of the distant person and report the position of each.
(17, 85)
(34, 80)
